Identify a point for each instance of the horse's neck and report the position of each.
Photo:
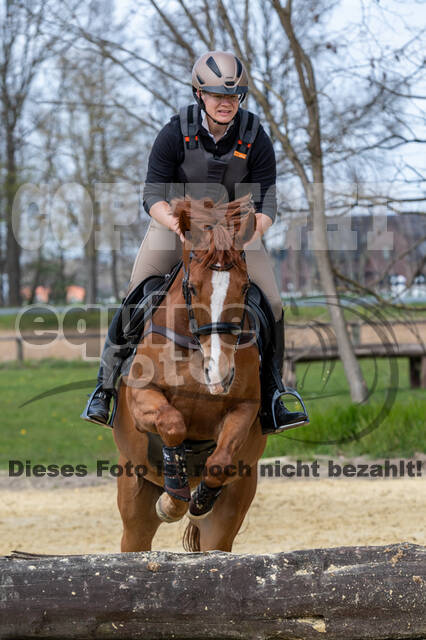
(173, 313)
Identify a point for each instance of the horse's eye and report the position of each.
(192, 289)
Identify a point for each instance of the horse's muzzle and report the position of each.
(222, 387)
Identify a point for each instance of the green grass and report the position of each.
(29, 320)
(391, 424)
(49, 430)
(294, 313)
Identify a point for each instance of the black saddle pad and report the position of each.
(141, 303)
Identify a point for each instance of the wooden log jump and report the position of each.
(345, 593)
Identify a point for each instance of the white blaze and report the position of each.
(220, 284)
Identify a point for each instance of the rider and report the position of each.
(216, 144)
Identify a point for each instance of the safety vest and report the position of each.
(201, 166)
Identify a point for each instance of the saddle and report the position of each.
(142, 302)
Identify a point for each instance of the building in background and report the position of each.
(374, 251)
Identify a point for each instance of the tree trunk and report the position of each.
(2, 266)
(92, 255)
(357, 386)
(114, 275)
(315, 194)
(36, 277)
(91, 262)
(355, 593)
(13, 249)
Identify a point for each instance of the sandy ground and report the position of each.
(82, 516)
(286, 515)
(59, 347)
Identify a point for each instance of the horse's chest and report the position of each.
(203, 414)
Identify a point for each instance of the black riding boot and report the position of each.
(271, 384)
(114, 353)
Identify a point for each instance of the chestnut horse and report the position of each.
(194, 377)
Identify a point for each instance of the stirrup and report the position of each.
(110, 421)
(288, 391)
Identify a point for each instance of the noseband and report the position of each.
(230, 328)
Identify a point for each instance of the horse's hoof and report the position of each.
(194, 517)
(202, 501)
(169, 509)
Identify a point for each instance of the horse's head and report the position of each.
(216, 280)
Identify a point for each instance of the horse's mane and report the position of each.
(219, 230)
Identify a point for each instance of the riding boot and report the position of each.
(115, 351)
(274, 415)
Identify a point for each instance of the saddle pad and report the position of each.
(143, 300)
(197, 452)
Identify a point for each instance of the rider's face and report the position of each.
(221, 107)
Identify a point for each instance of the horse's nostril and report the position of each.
(206, 373)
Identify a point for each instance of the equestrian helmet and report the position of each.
(220, 72)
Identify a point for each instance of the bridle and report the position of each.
(230, 328)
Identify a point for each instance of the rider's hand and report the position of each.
(263, 222)
(162, 213)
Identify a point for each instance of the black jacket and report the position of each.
(167, 154)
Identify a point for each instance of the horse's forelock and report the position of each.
(214, 227)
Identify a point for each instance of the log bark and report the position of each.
(350, 593)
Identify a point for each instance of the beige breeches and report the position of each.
(161, 249)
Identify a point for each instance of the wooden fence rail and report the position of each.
(416, 354)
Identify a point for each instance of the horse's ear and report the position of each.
(193, 229)
(246, 231)
(181, 210)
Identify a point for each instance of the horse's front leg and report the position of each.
(222, 465)
(154, 413)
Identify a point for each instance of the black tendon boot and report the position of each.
(114, 353)
(274, 415)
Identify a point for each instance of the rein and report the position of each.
(193, 341)
(231, 328)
